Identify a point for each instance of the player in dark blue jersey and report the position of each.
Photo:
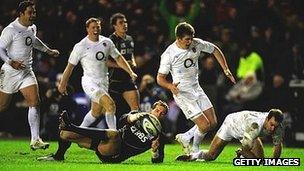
(121, 85)
(139, 132)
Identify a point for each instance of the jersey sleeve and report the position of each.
(6, 37)
(165, 63)
(75, 55)
(114, 53)
(206, 46)
(123, 120)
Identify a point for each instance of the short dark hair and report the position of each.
(184, 29)
(91, 20)
(23, 5)
(277, 114)
(115, 17)
(161, 103)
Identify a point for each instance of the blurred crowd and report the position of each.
(262, 41)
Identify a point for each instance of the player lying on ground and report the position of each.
(139, 133)
(246, 126)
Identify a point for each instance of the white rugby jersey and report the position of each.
(18, 40)
(240, 122)
(183, 63)
(93, 56)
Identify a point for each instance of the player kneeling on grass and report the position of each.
(139, 133)
(246, 126)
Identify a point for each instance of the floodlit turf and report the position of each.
(16, 155)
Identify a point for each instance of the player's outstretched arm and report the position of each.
(65, 78)
(121, 61)
(222, 61)
(39, 45)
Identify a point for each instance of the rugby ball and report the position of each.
(151, 126)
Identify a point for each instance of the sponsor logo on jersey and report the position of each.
(139, 134)
(28, 41)
(100, 55)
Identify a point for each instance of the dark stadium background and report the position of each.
(272, 28)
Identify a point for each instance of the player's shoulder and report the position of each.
(129, 37)
(104, 39)
(198, 41)
(11, 28)
(113, 36)
(81, 44)
(170, 51)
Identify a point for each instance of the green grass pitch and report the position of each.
(16, 155)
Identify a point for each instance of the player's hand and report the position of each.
(173, 88)
(155, 145)
(53, 52)
(135, 117)
(133, 76)
(62, 89)
(18, 65)
(228, 74)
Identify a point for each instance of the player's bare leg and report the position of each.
(132, 98)
(5, 100)
(31, 96)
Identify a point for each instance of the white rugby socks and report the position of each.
(190, 133)
(111, 120)
(88, 120)
(197, 140)
(34, 122)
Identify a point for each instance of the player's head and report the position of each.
(184, 34)
(159, 109)
(119, 22)
(93, 26)
(274, 119)
(26, 12)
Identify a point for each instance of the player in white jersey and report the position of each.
(181, 60)
(93, 52)
(16, 44)
(247, 127)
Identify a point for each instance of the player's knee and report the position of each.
(204, 127)
(110, 107)
(213, 125)
(33, 103)
(65, 135)
(113, 135)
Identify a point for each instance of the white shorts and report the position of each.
(95, 89)
(193, 101)
(11, 81)
(225, 132)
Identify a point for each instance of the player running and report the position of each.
(181, 60)
(92, 52)
(17, 41)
